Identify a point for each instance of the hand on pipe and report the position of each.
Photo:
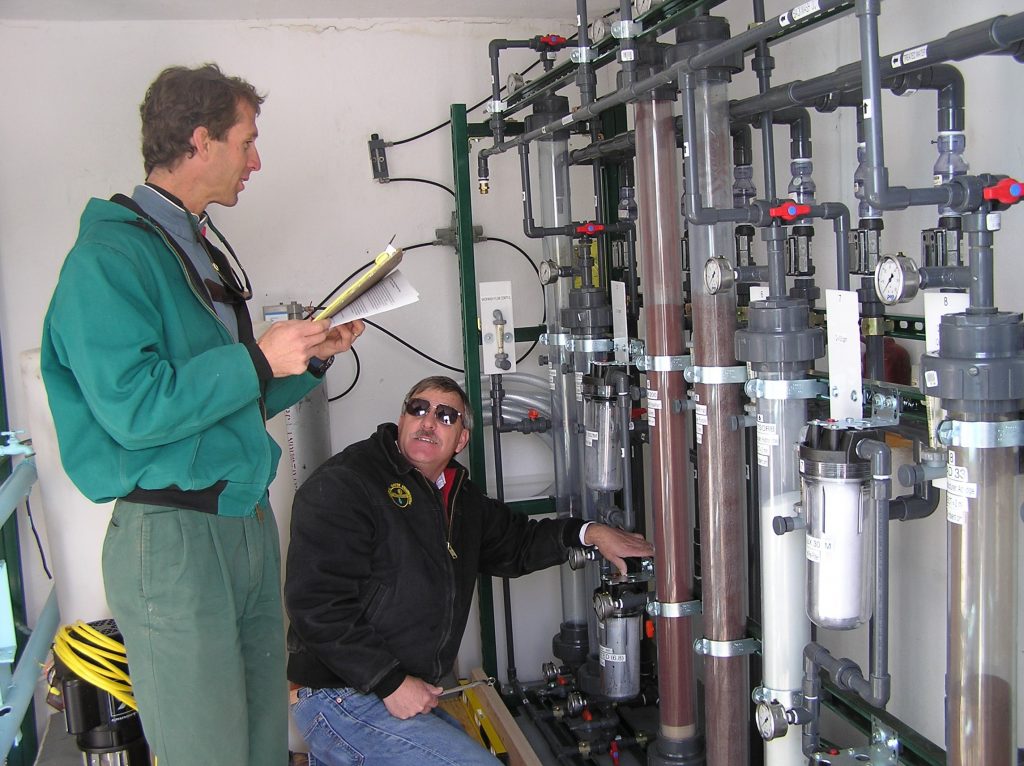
(617, 545)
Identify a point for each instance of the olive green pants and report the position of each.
(197, 598)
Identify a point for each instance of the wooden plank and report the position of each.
(519, 751)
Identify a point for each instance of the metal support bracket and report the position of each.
(582, 55)
(553, 339)
(589, 345)
(673, 609)
(806, 388)
(957, 433)
(714, 376)
(495, 107)
(662, 363)
(709, 648)
(626, 29)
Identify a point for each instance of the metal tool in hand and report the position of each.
(470, 685)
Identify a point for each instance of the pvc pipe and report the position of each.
(990, 36)
(709, 57)
(555, 211)
(19, 695)
(16, 488)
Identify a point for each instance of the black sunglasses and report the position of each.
(443, 413)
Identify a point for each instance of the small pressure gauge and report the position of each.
(515, 82)
(548, 272)
(718, 275)
(598, 30)
(897, 279)
(770, 718)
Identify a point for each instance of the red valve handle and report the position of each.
(553, 40)
(1006, 191)
(532, 414)
(790, 211)
(589, 228)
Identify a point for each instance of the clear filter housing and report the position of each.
(840, 528)
(602, 440)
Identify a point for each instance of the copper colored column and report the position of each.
(662, 281)
(720, 460)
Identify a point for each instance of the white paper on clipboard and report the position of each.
(391, 292)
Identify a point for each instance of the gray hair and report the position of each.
(449, 386)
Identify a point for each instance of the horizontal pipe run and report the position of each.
(16, 488)
(732, 46)
(990, 36)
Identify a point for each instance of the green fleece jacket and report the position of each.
(146, 385)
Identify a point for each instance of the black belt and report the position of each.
(203, 500)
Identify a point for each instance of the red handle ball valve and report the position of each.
(790, 211)
(1007, 191)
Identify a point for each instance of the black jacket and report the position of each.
(372, 591)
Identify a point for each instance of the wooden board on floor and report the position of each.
(519, 751)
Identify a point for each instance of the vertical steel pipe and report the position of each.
(662, 277)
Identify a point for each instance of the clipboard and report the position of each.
(383, 264)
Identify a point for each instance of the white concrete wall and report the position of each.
(313, 214)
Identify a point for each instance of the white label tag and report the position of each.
(956, 508)
(806, 9)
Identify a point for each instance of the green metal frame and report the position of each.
(24, 753)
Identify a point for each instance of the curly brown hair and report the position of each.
(181, 100)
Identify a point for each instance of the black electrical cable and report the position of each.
(533, 265)
(355, 379)
(413, 348)
(423, 181)
(39, 543)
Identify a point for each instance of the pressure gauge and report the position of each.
(641, 6)
(548, 272)
(770, 718)
(598, 30)
(718, 275)
(897, 279)
(515, 82)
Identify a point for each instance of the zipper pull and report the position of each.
(451, 551)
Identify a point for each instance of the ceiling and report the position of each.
(149, 10)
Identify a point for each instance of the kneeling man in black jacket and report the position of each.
(387, 540)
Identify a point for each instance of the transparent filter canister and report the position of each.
(603, 456)
(840, 526)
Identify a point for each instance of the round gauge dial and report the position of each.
(770, 720)
(548, 272)
(897, 279)
(718, 275)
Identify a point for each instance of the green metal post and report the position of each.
(471, 352)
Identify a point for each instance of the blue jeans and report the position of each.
(345, 728)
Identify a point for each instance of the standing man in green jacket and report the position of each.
(160, 394)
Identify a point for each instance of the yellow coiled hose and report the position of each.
(96, 658)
